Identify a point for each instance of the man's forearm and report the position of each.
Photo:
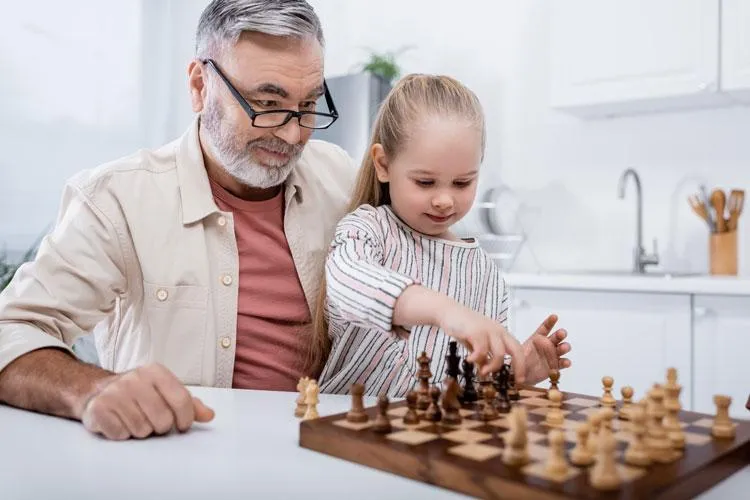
(50, 381)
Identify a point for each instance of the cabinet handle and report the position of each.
(701, 312)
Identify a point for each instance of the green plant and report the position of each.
(8, 269)
(384, 64)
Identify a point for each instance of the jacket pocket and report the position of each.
(177, 318)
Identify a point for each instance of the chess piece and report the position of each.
(722, 427)
(301, 407)
(433, 412)
(556, 465)
(451, 406)
(311, 400)
(657, 443)
(554, 379)
(608, 399)
(488, 408)
(604, 475)
(501, 386)
(452, 360)
(555, 416)
(672, 408)
(424, 374)
(747, 405)
(411, 417)
(382, 422)
(469, 393)
(627, 403)
(637, 453)
(607, 416)
(595, 423)
(512, 389)
(581, 455)
(516, 451)
(357, 413)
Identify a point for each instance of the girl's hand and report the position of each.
(487, 340)
(545, 350)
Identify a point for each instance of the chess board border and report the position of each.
(703, 467)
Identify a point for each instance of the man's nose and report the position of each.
(290, 132)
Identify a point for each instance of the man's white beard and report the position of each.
(237, 159)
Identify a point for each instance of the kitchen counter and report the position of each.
(624, 282)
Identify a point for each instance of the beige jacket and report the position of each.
(142, 255)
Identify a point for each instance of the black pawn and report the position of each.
(469, 393)
(512, 389)
(452, 360)
(433, 412)
(501, 380)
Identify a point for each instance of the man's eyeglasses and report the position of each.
(280, 117)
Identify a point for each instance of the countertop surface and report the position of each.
(250, 450)
(627, 282)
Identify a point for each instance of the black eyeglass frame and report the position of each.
(334, 114)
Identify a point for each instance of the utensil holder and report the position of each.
(723, 253)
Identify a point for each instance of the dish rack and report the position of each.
(501, 246)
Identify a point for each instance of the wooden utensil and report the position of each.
(736, 201)
(718, 201)
(700, 209)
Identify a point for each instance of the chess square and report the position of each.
(353, 426)
(466, 423)
(538, 452)
(398, 412)
(500, 422)
(535, 402)
(476, 451)
(695, 439)
(399, 423)
(622, 436)
(587, 403)
(707, 423)
(537, 469)
(466, 436)
(413, 437)
(543, 412)
(531, 436)
(465, 413)
(589, 411)
(526, 393)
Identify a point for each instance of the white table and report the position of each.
(250, 450)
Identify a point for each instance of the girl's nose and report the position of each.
(442, 202)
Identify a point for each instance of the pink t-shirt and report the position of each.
(272, 313)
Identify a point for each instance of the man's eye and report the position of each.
(424, 182)
(267, 104)
(308, 105)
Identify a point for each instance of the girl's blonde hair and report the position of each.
(413, 99)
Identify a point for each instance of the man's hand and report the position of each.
(544, 352)
(145, 401)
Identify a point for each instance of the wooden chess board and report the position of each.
(468, 458)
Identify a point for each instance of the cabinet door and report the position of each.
(722, 352)
(632, 337)
(611, 57)
(735, 48)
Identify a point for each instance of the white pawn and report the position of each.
(607, 398)
(556, 465)
(555, 416)
(581, 455)
(604, 474)
(516, 440)
(301, 407)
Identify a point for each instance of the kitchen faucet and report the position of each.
(640, 258)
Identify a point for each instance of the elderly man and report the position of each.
(199, 262)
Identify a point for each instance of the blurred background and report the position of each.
(575, 93)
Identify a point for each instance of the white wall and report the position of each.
(563, 169)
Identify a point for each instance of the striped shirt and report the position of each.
(373, 258)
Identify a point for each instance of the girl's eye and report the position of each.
(462, 184)
(424, 183)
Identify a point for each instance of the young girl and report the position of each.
(399, 283)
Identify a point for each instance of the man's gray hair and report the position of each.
(223, 22)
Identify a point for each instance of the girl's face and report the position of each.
(433, 179)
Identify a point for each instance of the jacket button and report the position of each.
(226, 279)
(226, 342)
(162, 294)
(222, 221)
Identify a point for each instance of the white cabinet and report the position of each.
(735, 49)
(610, 57)
(722, 352)
(632, 337)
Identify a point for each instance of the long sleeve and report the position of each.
(72, 284)
(361, 290)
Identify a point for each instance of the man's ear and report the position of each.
(197, 85)
(381, 162)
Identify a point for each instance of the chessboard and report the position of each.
(468, 457)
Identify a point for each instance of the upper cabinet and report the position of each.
(613, 57)
(735, 49)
